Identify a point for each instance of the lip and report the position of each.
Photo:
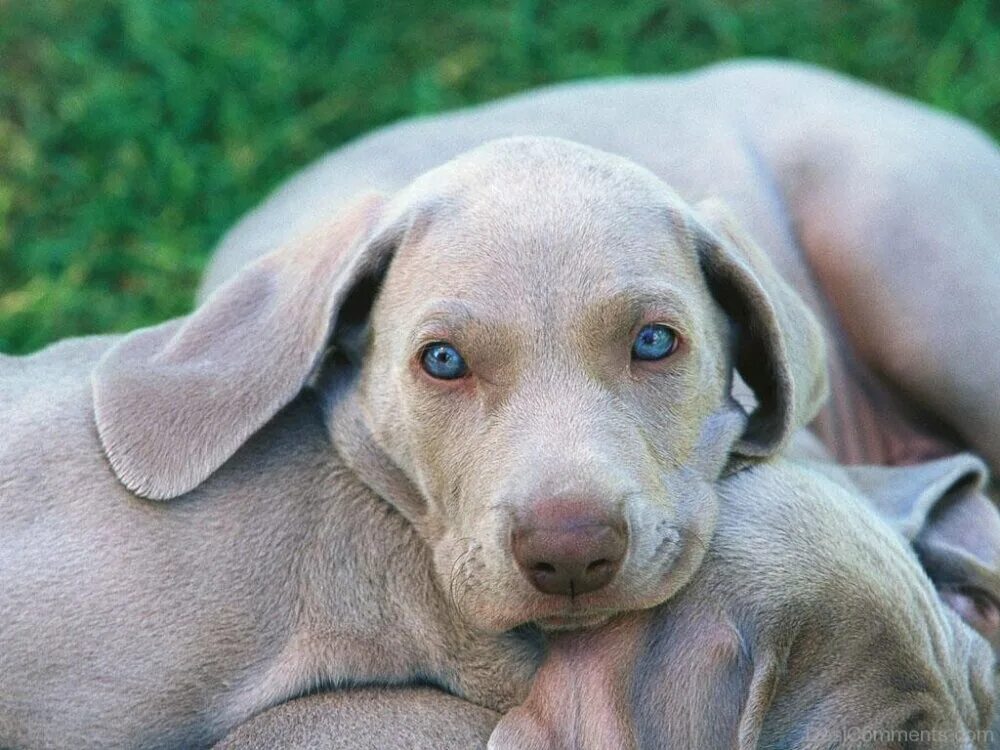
(558, 613)
(579, 621)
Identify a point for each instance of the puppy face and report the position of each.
(548, 370)
(504, 378)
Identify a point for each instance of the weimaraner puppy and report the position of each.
(881, 213)
(307, 484)
(810, 624)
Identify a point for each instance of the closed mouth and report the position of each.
(579, 621)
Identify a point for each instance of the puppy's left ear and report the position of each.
(942, 509)
(781, 350)
(173, 402)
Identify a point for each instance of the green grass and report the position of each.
(133, 133)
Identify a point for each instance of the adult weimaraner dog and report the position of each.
(207, 517)
(809, 625)
(880, 212)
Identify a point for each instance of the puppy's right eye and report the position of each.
(442, 361)
(653, 342)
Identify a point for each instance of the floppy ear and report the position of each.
(175, 401)
(780, 347)
(941, 508)
(705, 684)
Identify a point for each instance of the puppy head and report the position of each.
(529, 352)
(548, 365)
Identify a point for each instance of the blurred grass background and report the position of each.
(133, 133)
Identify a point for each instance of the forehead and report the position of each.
(545, 230)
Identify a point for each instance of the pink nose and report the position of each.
(569, 547)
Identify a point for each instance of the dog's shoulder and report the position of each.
(45, 400)
(57, 369)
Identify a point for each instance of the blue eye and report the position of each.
(654, 341)
(442, 361)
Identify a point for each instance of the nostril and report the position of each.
(599, 566)
(543, 567)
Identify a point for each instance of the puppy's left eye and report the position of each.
(654, 341)
(442, 361)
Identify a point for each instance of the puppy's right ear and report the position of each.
(780, 347)
(941, 507)
(175, 401)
